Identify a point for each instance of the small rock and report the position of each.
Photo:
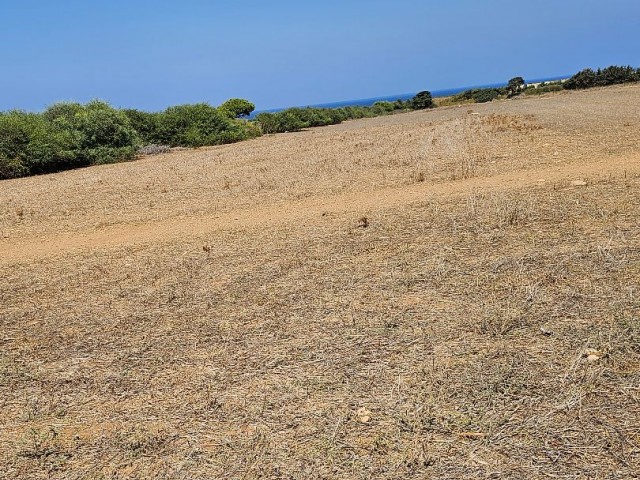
(363, 414)
(592, 355)
(363, 222)
(578, 183)
(546, 332)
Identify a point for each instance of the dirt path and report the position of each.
(307, 211)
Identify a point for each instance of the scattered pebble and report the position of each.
(363, 414)
(592, 355)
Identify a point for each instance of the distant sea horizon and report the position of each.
(367, 102)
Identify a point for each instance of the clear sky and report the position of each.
(150, 54)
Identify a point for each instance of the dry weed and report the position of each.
(459, 146)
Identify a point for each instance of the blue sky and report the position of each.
(152, 54)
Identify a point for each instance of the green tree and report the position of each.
(237, 108)
(584, 79)
(515, 86)
(421, 101)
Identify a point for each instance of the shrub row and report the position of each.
(479, 95)
(295, 119)
(72, 135)
(66, 135)
(612, 75)
(586, 78)
(195, 125)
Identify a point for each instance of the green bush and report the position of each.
(66, 135)
(279, 122)
(382, 108)
(96, 133)
(307, 117)
(400, 105)
(195, 125)
(29, 144)
(544, 88)
(11, 168)
(16, 132)
(486, 95)
(62, 112)
(479, 95)
(242, 130)
(295, 119)
(615, 75)
(612, 75)
(52, 148)
(145, 123)
(356, 111)
(105, 134)
(192, 126)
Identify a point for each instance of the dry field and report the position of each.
(444, 294)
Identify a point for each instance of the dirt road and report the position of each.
(309, 210)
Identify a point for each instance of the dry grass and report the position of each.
(456, 326)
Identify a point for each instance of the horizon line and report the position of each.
(443, 92)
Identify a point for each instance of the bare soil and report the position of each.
(444, 294)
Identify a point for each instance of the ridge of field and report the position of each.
(446, 294)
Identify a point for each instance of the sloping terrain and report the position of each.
(442, 294)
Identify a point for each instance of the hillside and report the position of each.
(449, 293)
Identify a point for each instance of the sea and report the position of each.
(367, 102)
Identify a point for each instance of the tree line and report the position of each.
(586, 78)
(73, 135)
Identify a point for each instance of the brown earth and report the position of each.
(446, 294)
